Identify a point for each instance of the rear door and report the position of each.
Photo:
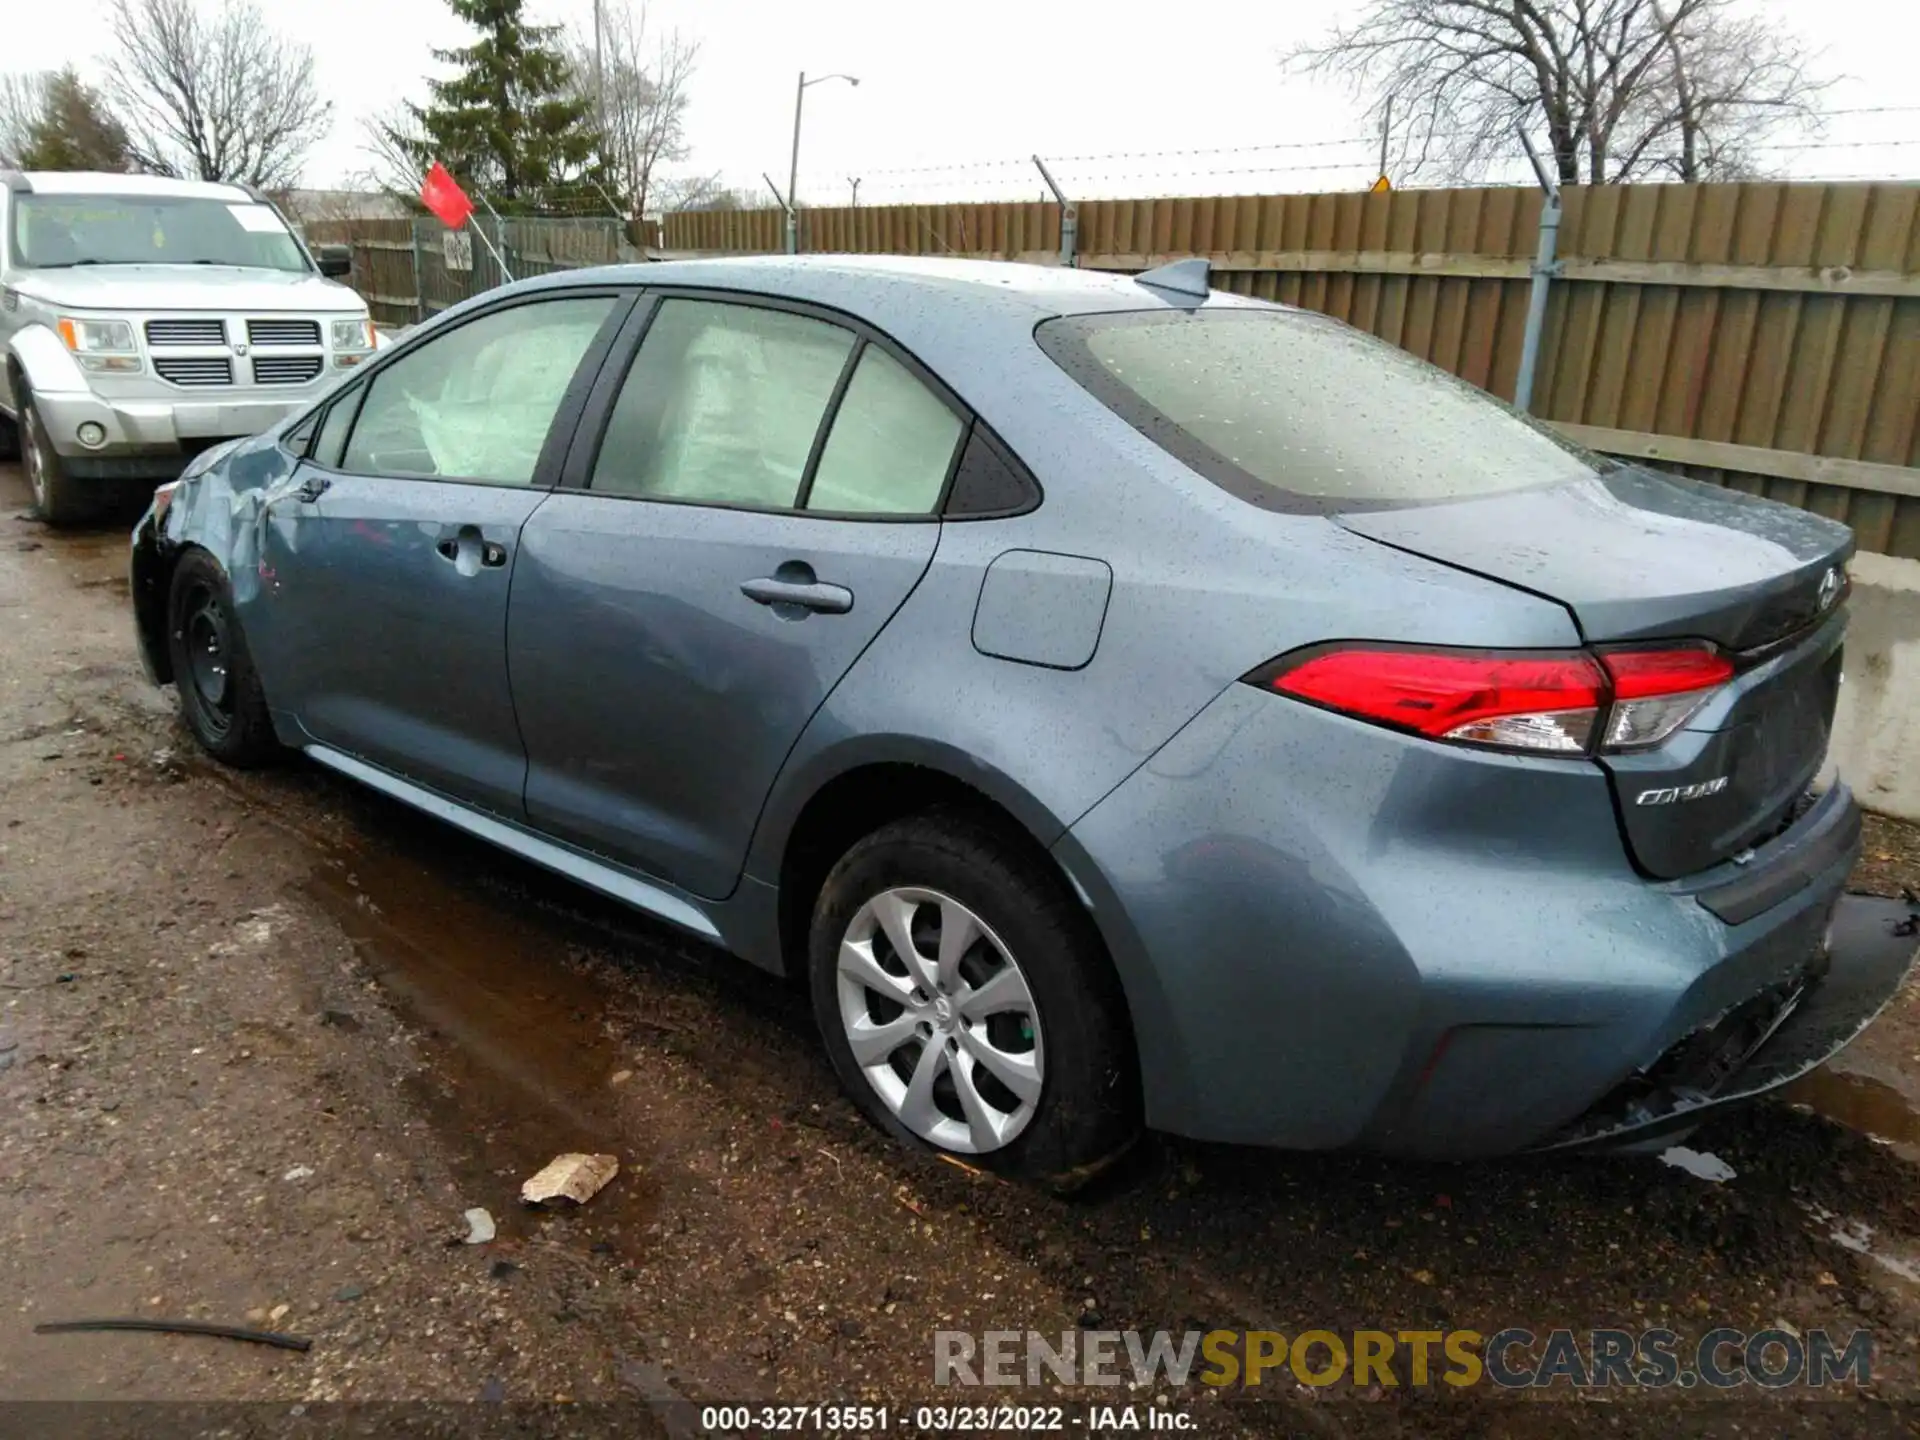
(388, 554)
(763, 500)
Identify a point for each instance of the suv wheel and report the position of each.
(967, 1005)
(57, 497)
(220, 695)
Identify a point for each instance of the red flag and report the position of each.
(443, 196)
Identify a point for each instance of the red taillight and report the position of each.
(1565, 702)
(1657, 691)
(1640, 673)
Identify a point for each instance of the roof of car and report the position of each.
(1037, 289)
(967, 320)
(92, 182)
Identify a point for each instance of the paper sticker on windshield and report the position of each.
(258, 218)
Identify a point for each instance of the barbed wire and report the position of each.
(1026, 161)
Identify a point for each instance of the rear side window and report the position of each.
(1292, 411)
(722, 406)
(891, 445)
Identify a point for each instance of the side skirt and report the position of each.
(656, 900)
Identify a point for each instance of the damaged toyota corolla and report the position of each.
(1118, 701)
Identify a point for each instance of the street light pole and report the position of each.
(793, 168)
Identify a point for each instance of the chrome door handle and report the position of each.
(816, 596)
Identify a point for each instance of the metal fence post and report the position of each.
(1069, 218)
(1545, 267)
(419, 278)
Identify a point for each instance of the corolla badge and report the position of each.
(1672, 794)
(1830, 586)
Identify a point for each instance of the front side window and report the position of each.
(891, 445)
(1294, 411)
(54, 232)
(722, 405)
(475, 403)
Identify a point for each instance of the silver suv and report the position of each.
(143, 320)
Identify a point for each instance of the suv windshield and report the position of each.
(1293, 411)
(54, 231)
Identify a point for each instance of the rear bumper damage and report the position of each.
(1768, 1040)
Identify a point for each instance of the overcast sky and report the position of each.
(986, 84)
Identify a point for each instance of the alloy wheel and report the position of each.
(940, 1020)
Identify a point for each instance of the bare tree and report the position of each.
(639, 93)
(696, 192)
(1622, 89)
(214, 96)
(23, 100)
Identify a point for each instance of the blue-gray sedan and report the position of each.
(1117, 701)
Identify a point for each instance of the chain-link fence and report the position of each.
(409, 270)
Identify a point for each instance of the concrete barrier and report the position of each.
(1876, 732)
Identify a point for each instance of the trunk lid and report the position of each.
(1636, 556)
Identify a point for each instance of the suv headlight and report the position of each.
(352, 340)
(100, 344)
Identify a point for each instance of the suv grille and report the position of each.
(285, 369)
(194, 369)
(283, 332)
(186, 332)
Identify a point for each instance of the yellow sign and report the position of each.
(1381, 186)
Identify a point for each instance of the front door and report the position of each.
(762, 503)
(388, 554)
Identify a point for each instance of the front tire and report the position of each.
(58, 498)
(966, 1002)
(220, 695)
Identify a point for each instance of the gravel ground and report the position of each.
(265, 1038)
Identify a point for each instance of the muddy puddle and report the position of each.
(1860, 1103)
(530, 1049)
(94, 560)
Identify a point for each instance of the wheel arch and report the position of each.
(818, 817)
(853, 791)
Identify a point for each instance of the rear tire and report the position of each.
(58, 498)
(220, 695)
(1009, 1044)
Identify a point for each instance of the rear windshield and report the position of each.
(1293, 411)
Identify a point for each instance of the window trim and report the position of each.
(354, 396)
(573, 400)
(585, 453)
(316, 418)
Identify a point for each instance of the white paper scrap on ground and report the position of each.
(1701, 1164)
(570, 1177)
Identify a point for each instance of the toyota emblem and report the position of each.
(1830, 584)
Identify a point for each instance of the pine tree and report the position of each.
(74, 130)
(509, 125)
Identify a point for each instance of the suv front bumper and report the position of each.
(152, 439)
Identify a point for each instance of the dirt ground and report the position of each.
(264, 1038)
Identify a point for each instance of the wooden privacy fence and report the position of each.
(1760, 336)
